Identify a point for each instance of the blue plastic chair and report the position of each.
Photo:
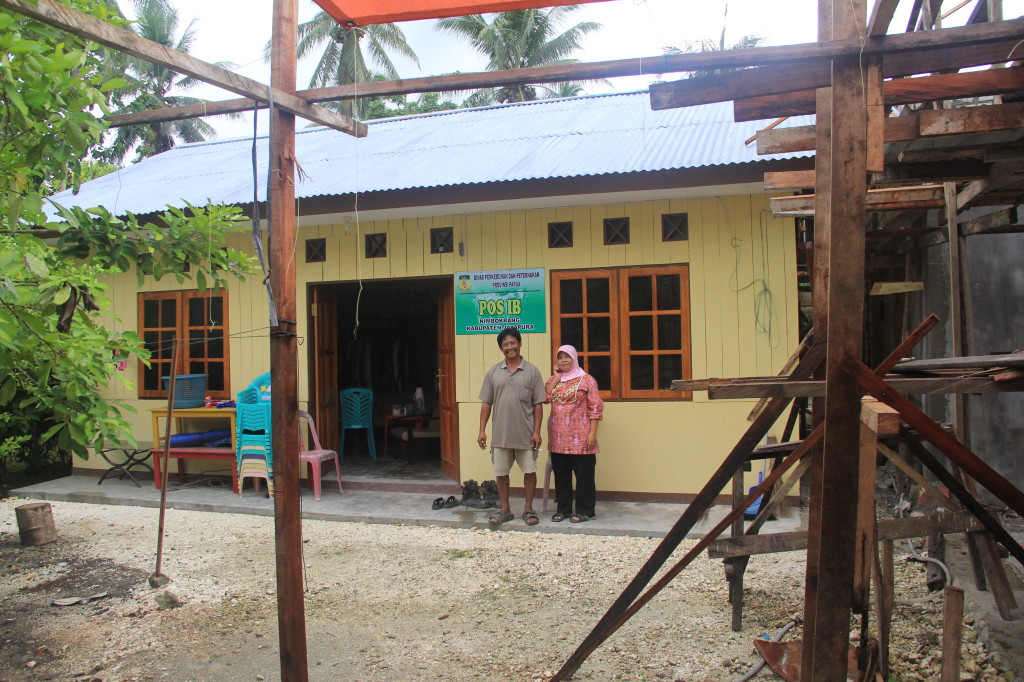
(357, 413)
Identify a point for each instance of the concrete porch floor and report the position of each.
(368, 499)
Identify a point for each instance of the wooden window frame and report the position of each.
(620, 314)
(316, 250)
(560, 235)
(181, 331)
(442, 240)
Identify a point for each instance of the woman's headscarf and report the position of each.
(576, 372)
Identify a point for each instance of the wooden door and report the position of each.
(323, 364)
(447, 406)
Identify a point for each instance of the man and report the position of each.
(513, 390)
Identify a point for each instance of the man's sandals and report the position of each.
(530, 517)
(499, 517)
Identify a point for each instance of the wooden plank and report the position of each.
(816, 388)
(884, 599)
(952, 633)
(888, 529)
(907, 54)
(791, 86)
(887, 288)
(879, 417)
(876, 114)
(958, 453)
(777, 180)
(123, 40)
(881, 16)
(756, 107)
(970, 362)
(883, 199)
(981, 119)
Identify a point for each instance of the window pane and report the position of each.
(151, 378)
(166, 345)
(217, 311)
(599, 334)
(668, 292)
(641, 372)
(572, 332)
(670, 368)
(150, 314)
(640, 295)
(670, 332)
(571, 296)
(151, 342)
(197, 343)
(641, 332)
(197, 368)
(215, 376)
(215, 345)
(197, 312)
(598, 299)
(168, 312)
(600, 367)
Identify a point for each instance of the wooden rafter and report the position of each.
(774, 82)
(920, 124)
(81, 24)
(986, 43)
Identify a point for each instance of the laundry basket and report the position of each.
(189, 390)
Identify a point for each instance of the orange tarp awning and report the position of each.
(362, 12)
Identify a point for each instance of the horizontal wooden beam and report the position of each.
(760, 102)
(88, 27)
(957, 170)
(888, 288)
(921, 124)
(888, 529)
(970, 362)
(938, 51)
(774, 387)
(884, 199)
(789, 87)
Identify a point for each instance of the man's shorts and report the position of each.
(501, 459)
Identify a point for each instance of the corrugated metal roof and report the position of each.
(572, 137)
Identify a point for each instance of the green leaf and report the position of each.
(7, 390)
(51, 432)
(36, 266)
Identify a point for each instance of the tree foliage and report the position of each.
(356, 54)
(55, 352)
(518, 40)
(151, 86)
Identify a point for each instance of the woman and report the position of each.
(576, 409)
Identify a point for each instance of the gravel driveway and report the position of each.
(392, 602)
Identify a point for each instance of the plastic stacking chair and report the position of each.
(253, 452)
(357, 413)
(313, 458)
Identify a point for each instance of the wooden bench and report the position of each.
(225, 454)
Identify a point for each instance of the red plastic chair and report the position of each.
(313, 458)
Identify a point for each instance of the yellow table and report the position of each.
(182, 414)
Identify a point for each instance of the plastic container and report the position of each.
(189, 390)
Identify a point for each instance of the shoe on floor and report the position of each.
(499, 517)
(581, 518)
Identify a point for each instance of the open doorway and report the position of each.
(392, 337)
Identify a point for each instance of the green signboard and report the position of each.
(487, 302)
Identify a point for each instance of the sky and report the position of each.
(631, 28)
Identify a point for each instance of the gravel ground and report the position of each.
(393, 603)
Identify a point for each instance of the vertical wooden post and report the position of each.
(952, 633)
(819, 300)
(832, 522)
(291, 618)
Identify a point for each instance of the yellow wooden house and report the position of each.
(648, 233)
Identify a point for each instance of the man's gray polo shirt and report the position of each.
(512, 397)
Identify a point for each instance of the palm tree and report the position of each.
(707, 45)
(519, 40)
(150, 86)
(343, 60)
